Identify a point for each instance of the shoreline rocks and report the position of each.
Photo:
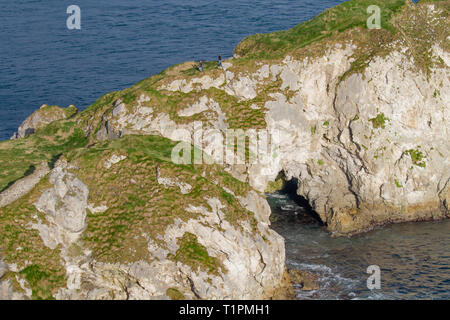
(304, 280)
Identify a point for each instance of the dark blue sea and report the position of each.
(122, 42)
(414, 258)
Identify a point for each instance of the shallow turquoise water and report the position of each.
(414, 258)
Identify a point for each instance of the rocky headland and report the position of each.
(92, 205)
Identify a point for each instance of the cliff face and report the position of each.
(359, 117)
(378, 150)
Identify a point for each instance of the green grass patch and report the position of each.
(17, 157)
(417, 157)
(348, 15)
(175, 294)
(195, 70)
(379, 121)
(192, 253)
(40, 279)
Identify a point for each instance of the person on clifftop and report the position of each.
(201, 65)
(219, 61)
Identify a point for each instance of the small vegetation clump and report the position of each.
(70, 111)
(379, 121)
(192, 253)
(274, 186)
(175, 294)
(42, 279)
(417, 157)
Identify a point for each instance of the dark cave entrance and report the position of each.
(301, 212)
(290, 189)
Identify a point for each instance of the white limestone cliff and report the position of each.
(352, 142)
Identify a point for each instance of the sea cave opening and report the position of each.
(289, 206)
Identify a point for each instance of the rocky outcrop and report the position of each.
(367, 147)
(363, 131)
(41, 118)
(64, 207)
(7, 291)
(235, 262)
(360, 152)
(304, 280)
(252, 267)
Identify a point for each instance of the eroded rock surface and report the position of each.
(64, 207)
(42, 117)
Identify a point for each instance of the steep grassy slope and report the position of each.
(140, 204)
(20, 157)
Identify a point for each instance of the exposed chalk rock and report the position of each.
(65, 208)
(114, 160)
(42, 117)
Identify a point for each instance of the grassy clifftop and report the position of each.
(346, 16)
(139, 207)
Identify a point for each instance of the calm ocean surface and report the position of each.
(414, 258)
(122, 42)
